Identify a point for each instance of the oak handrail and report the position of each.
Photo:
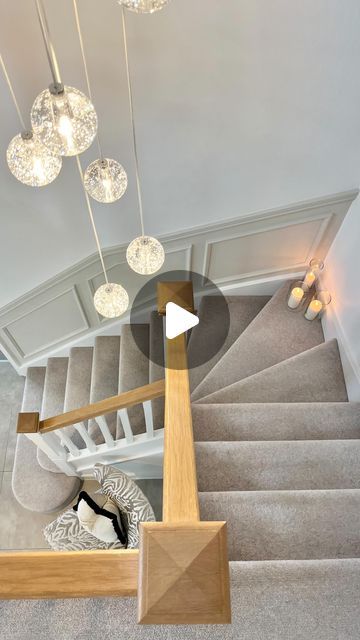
(180, 491)
(183, 562)
(28, 423)
(68, 574)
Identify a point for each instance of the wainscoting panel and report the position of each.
(246, 251)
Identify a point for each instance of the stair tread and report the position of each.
(315, 375)
(53, 401)
(276, 421)
(242, 310)
(35, 488)
(275, 334)
(287, 525)
(104, 380)
(157, 363)
(78, 383)
(130, 376)
(281, 465)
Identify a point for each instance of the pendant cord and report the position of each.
(77, 20)
(50, 51)
(7, 78)
(131, 106)
(91, 215)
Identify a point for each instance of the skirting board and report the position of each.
(333, 329)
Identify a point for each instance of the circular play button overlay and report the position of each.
(202, 314)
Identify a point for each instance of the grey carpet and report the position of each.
(156, 364)
(242, 310)
(287, 525)
(276, 421)
(134, 370)
(104, 379)
(294, 600)
(273, 336)
(315, 375)
(78, 383)
(257, 466)
(34, 487)
(53, 401)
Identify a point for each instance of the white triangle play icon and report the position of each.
(178, 320)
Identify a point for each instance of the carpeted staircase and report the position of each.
(278, 458)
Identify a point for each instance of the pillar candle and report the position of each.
(313, 310)
(310, 278)
(295, 297)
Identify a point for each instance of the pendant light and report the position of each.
(110, 300)
(62, 117)
(28, 159)
(145, 255)
(105, 179)
(143, 6)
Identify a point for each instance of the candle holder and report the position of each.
(317, 305)
(297, 295)
(313, 272)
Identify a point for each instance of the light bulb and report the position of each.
(31, 162)
(143, 6)
(105, 180)
(111, 300)
(145, 255)
(64, 119)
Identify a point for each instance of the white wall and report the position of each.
(342, 278)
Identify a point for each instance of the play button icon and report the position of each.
(178, 320)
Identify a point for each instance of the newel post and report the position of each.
(183, 563)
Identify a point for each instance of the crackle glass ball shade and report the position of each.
(66, 122)
(143, 6)
(31, 162)
(105, 180)
(145, 255)
(111, 300)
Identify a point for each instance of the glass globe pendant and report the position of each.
(64, 119)
(111, 300)
(105, 180)
(31, 162)
(143, 6)
(145, 255)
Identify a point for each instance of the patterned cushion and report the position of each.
(129, 498)
(66, 533)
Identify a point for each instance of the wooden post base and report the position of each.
(184, 573)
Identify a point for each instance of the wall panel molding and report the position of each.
(252, 248)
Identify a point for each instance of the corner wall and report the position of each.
(342, 279)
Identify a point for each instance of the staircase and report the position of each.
(89, 375)
(277, 449)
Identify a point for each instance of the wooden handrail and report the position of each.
(27, 421)
(183, 563)
(180, 493)
(68, 574)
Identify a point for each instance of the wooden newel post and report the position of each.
(183, 563)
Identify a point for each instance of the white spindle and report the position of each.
(149, 418)
(67, 442)
(105, 430)
(89, 443)
(124, 418)
(50, 445)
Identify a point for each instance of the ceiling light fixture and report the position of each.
(28, 159)
(110, 300)
(143, 6)
(105, 179)
(63, 117)
(145, 254)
